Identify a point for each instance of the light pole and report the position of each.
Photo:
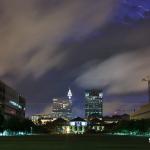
(147, 79)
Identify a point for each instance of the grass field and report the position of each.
(45, 142)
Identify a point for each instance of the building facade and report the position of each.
(96, 124)
(42, 119)
(61, 108)
(11, 103)
(93, 103)
(78, 126)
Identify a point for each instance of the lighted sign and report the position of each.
(15, 104)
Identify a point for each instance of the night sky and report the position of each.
(47, 46)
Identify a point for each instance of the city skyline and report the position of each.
(50, 45)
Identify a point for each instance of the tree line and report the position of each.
(139, 126)
(15, 124)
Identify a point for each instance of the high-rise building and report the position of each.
(62, 107)
(11, 103)
(93, 103)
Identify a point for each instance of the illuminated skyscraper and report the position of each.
(62, 107)
(94, 103)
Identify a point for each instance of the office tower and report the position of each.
(62, 107)
(11, 103)
(93, 103)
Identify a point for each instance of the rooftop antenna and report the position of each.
(69, 94)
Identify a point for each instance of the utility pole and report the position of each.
(147, 79)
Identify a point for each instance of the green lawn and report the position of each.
(44, 142)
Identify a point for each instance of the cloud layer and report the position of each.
(121, 74)
(32, 32)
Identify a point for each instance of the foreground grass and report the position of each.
(46, 142)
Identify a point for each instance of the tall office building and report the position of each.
(93, 103)
(11, 103)
(62, 108)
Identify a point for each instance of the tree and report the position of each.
(26, 125)
(2, 119)
(134, 126)
(13, 124)
(16, 124)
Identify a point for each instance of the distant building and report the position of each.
(61, 108)
(142, 113)
(61, 126)
(11, 103)
(93, 103)
(116, 118)
(42, 119)
(78, 125)
(96, 124)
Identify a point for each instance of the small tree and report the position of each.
(26, 125)
(13, 124)
(1, 122)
